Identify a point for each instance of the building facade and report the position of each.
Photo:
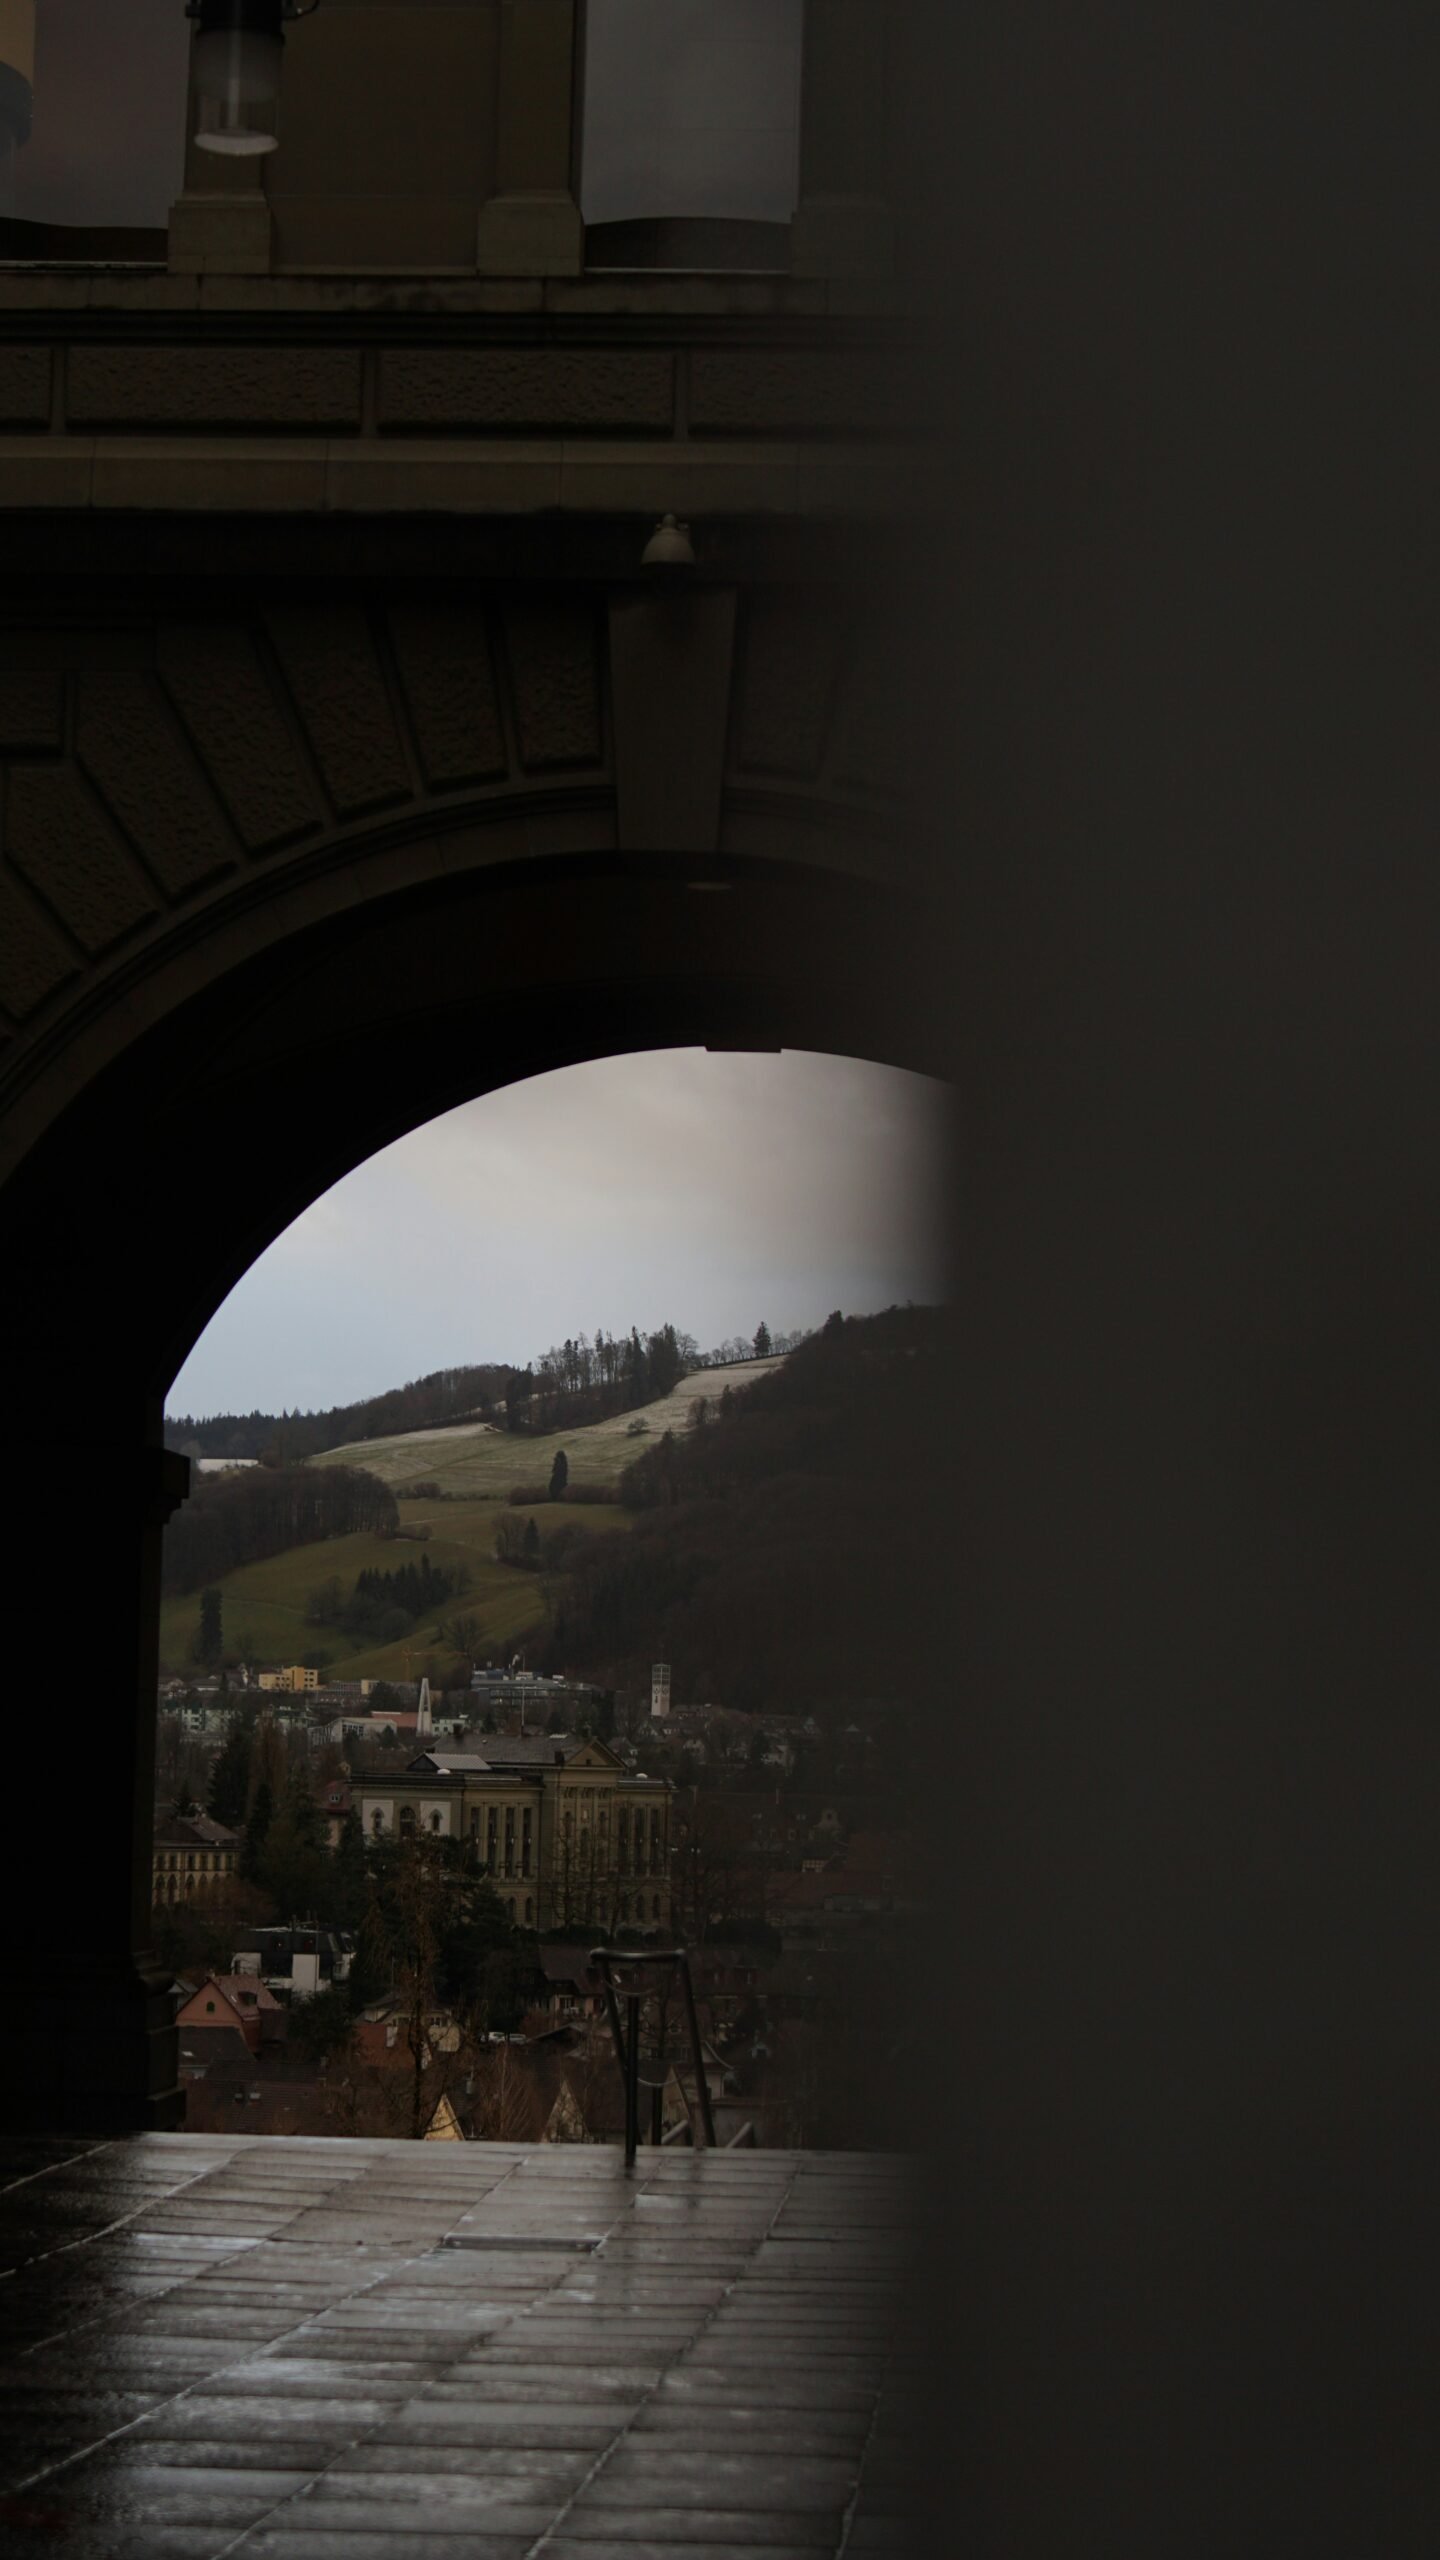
(567, 1837)
(192, 1855)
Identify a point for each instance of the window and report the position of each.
(407, 1819)
(377, 1822)
(434, 1821)
(526, 1820)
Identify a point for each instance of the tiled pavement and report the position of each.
(296, 2349)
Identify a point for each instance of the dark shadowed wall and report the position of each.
(1182, 264)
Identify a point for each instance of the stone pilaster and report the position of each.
(843, 225)
(531, 225)
(220, 223)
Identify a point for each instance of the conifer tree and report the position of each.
(210, 1639)
(348, 1887)
(230, 1779)
(257, 1829)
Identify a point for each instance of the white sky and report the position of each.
(708, 1192)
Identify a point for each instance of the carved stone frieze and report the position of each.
(241, 386)
(790, 390)
(24, 386)
(604, 388)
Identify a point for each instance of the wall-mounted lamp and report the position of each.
(238, 49)
(669, 547)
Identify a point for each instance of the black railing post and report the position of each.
(632, 2077)
(702, 2085)
(640, 1962)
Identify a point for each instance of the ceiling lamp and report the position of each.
(237, 51)
(669, 547)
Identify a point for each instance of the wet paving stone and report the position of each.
(641, 2549)
(677, 2528)
(317, 2536)
(227, 2346)
(653, 2475)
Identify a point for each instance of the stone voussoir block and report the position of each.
(608, 389)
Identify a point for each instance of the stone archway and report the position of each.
(282, 914)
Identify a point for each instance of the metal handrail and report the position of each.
(634, 1961)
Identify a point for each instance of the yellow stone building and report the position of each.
(568, 1837)
(191, 1856)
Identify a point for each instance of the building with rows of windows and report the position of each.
(568, 1838)
(192, 1855)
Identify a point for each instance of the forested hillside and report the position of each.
(778, 1548)
(284, 1439)
(583, 1379)
(265, 1511)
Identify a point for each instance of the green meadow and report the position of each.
(265, 1603)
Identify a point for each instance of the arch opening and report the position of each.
(592, 1821)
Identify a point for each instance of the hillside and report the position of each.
(785, 1554)
(266, 1602)
(486, 1461)
(288, 1438)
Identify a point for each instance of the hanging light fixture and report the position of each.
(669, 547)
(237, 49)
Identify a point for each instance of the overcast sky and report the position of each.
(707, 1192)
(691, 108)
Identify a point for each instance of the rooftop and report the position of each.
(281, 2350)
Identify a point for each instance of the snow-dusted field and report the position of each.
(476, 1458)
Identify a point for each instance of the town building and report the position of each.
(191, 1855)
(535, 1695)
(567, 1836)
(231, 2000)
(298, 1962)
